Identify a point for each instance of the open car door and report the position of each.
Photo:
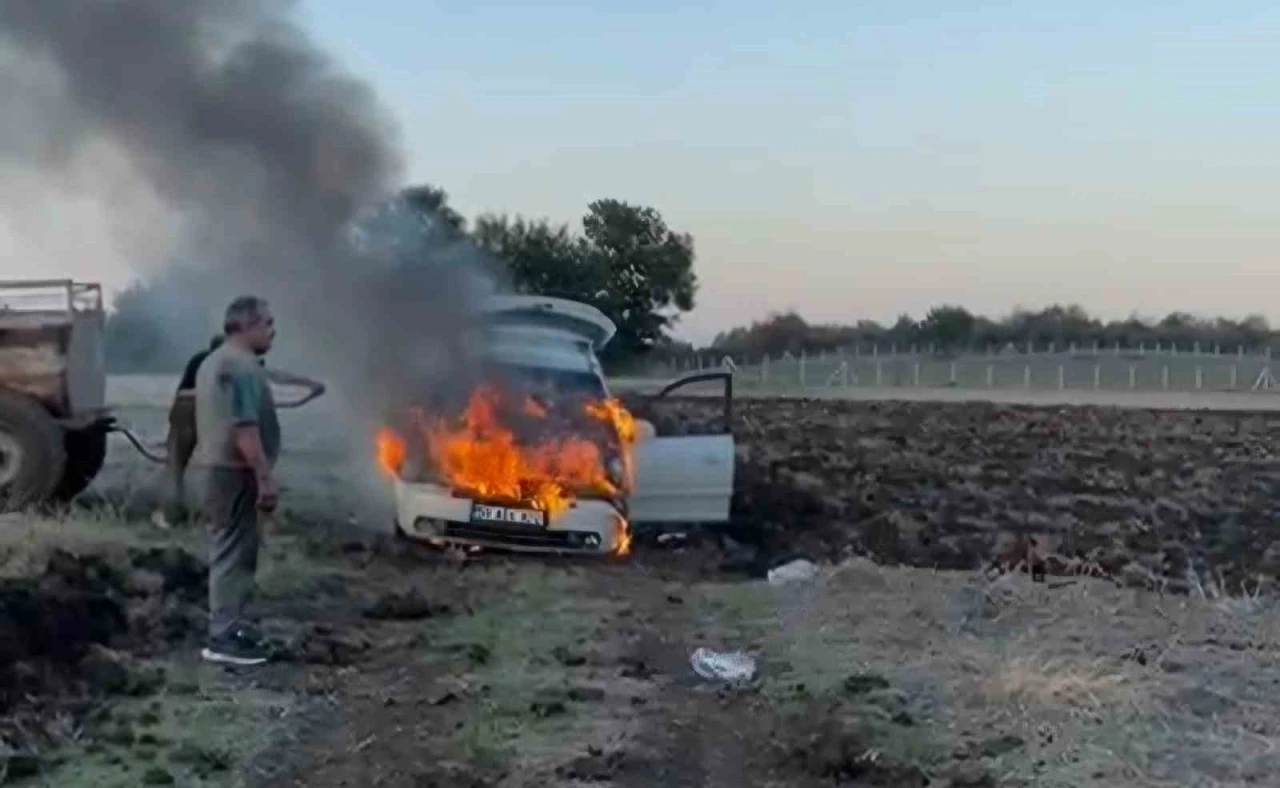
(685, 478)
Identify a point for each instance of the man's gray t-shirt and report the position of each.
(231, 391)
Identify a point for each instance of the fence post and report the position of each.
(951, 375)
(1164, 377)
(991, 376)
(1117, 347)
(1173, 349)
(1235, 375)
(803, 382)
(1142, 348)
(1196, 348)
(1097, 376)
(879, 373)
(1239, 351)
(1026, 376)
(1217, 348)
(915, 374)
(1133, 377)
(1062, 377)
(1199, 378)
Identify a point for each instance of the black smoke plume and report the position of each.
(215, 136)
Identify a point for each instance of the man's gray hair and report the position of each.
(242, 313)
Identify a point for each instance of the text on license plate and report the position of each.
(482, 513)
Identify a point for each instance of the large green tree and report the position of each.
(626, 262)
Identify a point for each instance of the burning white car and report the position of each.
(548, 461)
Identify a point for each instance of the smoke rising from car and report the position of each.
(214, 138)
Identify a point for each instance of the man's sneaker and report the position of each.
(160, 520)
(236, 648)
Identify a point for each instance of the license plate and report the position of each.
(483, 513)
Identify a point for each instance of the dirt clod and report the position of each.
(185, 575)
(999, 746)
(636, 668)
(452, 775)
(586, 694)
(840, 747)
(157, 775)
(51, 622)
(478, 654)
(863, 683)
(594, 767)
(568, 658)
(201, 758)
(967, 775)
(548, 707)
(20, 766)
(410, 605)
(321, 645)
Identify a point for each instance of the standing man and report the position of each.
(183, 435)
(239, 441)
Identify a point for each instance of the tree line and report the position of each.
(951, 328)
(627, 262)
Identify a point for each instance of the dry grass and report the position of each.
(27, 539)
(1050, 682)
(1099, 685)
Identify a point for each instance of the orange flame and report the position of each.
(479, 453)
(391, 452)
(623, 537)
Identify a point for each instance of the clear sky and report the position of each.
(852, 159)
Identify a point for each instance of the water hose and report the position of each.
(137, 444)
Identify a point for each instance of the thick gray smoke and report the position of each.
(214, 135)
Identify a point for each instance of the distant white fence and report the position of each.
(1095, 368)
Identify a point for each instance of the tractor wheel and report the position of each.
(86, 450)
(32, 456)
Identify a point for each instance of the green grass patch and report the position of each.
(517, 653)
(200, 731)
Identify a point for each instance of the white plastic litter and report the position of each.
(723, 666)
(798, 571)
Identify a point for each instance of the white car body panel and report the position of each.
(684, 479)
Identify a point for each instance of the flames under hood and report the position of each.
(540, 431)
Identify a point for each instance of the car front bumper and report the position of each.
(431, 513)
